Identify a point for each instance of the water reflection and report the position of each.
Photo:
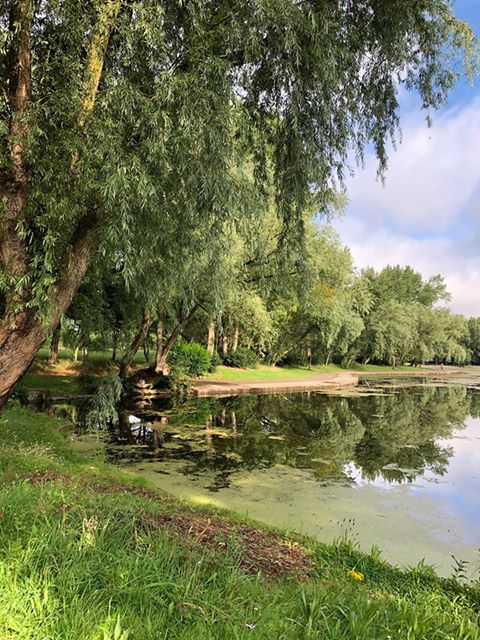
(394, 434)
(401, 462)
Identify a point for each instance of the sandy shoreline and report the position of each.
(321, 381)
(308, 383)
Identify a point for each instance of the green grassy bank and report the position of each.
(88, 553)
(68, 378)
(265, 372)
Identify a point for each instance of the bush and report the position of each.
(19, 395)
(242, 358)
(193, 358)
(294, 358)
(87, 379)
(178, 382)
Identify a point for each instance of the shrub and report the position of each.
(215, 361)
(19, 395)
(178, 382)
(87, 379)
(193, 358)
(294, 358)
(242, 358)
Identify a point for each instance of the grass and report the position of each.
(100, 357)
(264, 372)
(79, 562)
(382, 367)
(64, 378)
(53, 384)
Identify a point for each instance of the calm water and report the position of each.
(392, 465)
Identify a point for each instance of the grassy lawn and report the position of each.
(55, 385)
(100, 357)
(264, 372)
(382, 367)
(89, 554)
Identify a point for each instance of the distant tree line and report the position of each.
(249, 300)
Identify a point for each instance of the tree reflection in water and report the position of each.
(392, 434)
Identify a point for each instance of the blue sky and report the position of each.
(428, 213)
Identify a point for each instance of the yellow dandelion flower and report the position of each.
(356, 575)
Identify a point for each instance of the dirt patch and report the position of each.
(314, 382)
(40, 477)
(255, 551)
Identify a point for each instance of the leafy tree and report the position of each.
(124, 124)
(390, 333)
(473, 339)
(321, 315)
(450, 342)
(405, 285)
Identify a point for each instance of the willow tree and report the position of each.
(124, 115)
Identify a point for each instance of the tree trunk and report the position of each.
(224, 344)
(159, 352)
(114, 345)
(161, 361)
(138, 340)
(146, 348)
(23, 332)
(55, 343)
(235, 338)
(75, 354)
(211, 334)
(19, 346)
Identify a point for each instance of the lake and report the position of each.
(390, 464)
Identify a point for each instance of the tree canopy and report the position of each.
(129, 130)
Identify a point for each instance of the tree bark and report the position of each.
(55, 343)
(138, 340)
(211, 333)
(224, 344)
(19, 345)
(159, 352)
(329, 356)
(146, 348)
(309, 357)
(114, 346)
(14, 180)
(235, 338)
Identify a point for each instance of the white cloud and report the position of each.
(426, 216)
(433, 175)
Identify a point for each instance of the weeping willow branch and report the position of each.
(103, 406)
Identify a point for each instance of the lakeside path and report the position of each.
(305, 383)
(468, 376)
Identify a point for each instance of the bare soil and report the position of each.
(255, 551)
(307, 383)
